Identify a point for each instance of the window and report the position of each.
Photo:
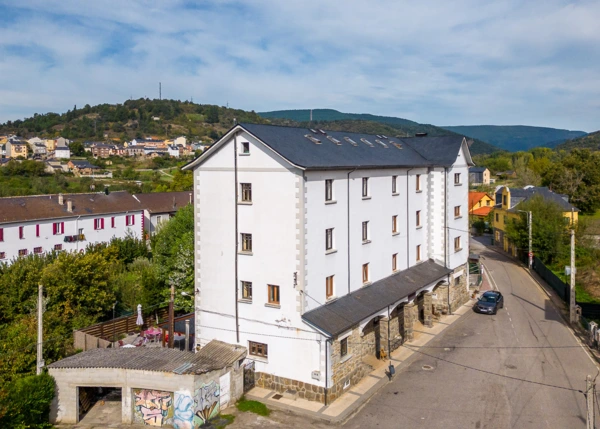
(328, 190)
(2, 255)
(37, 250)
(246, 192)
(344, 347)
(504, 200)
(457, 281)
(329, 239)
(365, 231)
(487, 202)
(21, 232)
(245, 148)
(365, 187)
(394, 224)
(23, 252)
(365, 273)
(80, 231)
(457, 178)
(329, 287)
(456, 211)
(58, 228)
(418, 183)
(395, 262)
(419, 252)
(58, 247)
(246, 242)
(497, 217)
(37, 230)
(258, 349)
(504, 219)
(418, 218)
(1, 234)
(394, 185)
(98, 224)
(130, 220)
(457, 244)
(247, 291)
(273, 294)
(113, 223)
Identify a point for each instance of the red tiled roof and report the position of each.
(482, 211)
(475, 197)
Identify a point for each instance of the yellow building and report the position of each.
(506, 208)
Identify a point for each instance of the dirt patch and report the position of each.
(276, 419)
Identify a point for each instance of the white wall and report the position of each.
(12, 243)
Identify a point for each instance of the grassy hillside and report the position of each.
(364, 123)
(516, 138)
(590, 141)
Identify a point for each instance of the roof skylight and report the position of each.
(381, 143)
(313, 131)
(312, 139)
(333, 139)
(365, 141)
(398, 145)
(349, 140)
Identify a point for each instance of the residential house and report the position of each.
(45, 223)
(181, 140)
(82, 167)
(344, 245)
(480, 205)
(2, 150)
(35, 140)
(39, 150)
(507, 208)
(62, 151)
(173, 151)
(56, 166)
(137, 150)
(102, 150)
(161, 206)
(50, 145)
(479, 176)
(61, 141)
(16, 147)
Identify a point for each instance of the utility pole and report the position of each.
(187, 335)
(40, 357)
(172, 316)
(590, 394)
(572, 311)
(529, 222)
(159, 90)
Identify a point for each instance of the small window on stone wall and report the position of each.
(457, 281)
(344, 347)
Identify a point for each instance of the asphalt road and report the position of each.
(525, 350)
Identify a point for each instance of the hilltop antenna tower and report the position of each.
(159, 90)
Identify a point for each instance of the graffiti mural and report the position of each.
(207, 403)
(153, 407)
(183, 414)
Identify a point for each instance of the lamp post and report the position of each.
(529, 221)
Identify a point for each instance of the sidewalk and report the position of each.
(359, 394)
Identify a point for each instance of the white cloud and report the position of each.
(462, 62)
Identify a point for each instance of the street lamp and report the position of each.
(529, 219)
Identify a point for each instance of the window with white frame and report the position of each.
(130, 220)
(365, 187)
(37, 250)
(23, 252)
(247, 291)
(273, 294)
(246, 192)
(2, 255)
(365, 273)
(418, 218)
(394, 185)
(457, 245)
(456, 211)
(258, 349)
(365, 232)
(245, 148)
(329, 239)
(329, 190)
(418, 252)
(395, 224)
(58, 247)
(457, 178)
(344, 347)
(58, 228)
(418, 183)
(246, 242)
(395, 262)
(98, 223)
(329, 287)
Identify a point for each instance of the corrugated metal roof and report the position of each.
(215, 355)
(343, 313)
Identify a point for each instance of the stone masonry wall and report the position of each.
(459, 291)
(307, 391)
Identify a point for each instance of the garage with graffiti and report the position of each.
(158, 387)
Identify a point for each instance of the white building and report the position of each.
(173, 151)
(161, 206)
(62, 151)
(318, 250)
(38, 224)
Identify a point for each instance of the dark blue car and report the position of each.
(489, 302)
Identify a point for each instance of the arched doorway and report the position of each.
(372, 337)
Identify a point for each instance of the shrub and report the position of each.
(26, 402)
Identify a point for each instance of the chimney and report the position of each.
(60, 199)
(70, 206)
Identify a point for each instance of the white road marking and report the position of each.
(510, 319)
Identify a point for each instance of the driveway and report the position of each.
(522, 368)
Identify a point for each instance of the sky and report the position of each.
(460, 62)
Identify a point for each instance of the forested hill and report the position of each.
(133, 119)
(590, 141)
(516, 138)
(373, 124)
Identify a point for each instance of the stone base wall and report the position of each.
(307, 391)
(351, 368)
(459, 290)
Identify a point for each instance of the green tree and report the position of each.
(26, 402)
(212, 114)
(77, 149)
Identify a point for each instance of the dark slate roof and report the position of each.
(79, 163)
(477, 169)
(518, 195)
(214, 356)
(340, 315)
(291, 143)
(164, 202)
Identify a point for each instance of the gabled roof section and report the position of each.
(475, 197)
(164, 202)
(293, 146)
(342, 314)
